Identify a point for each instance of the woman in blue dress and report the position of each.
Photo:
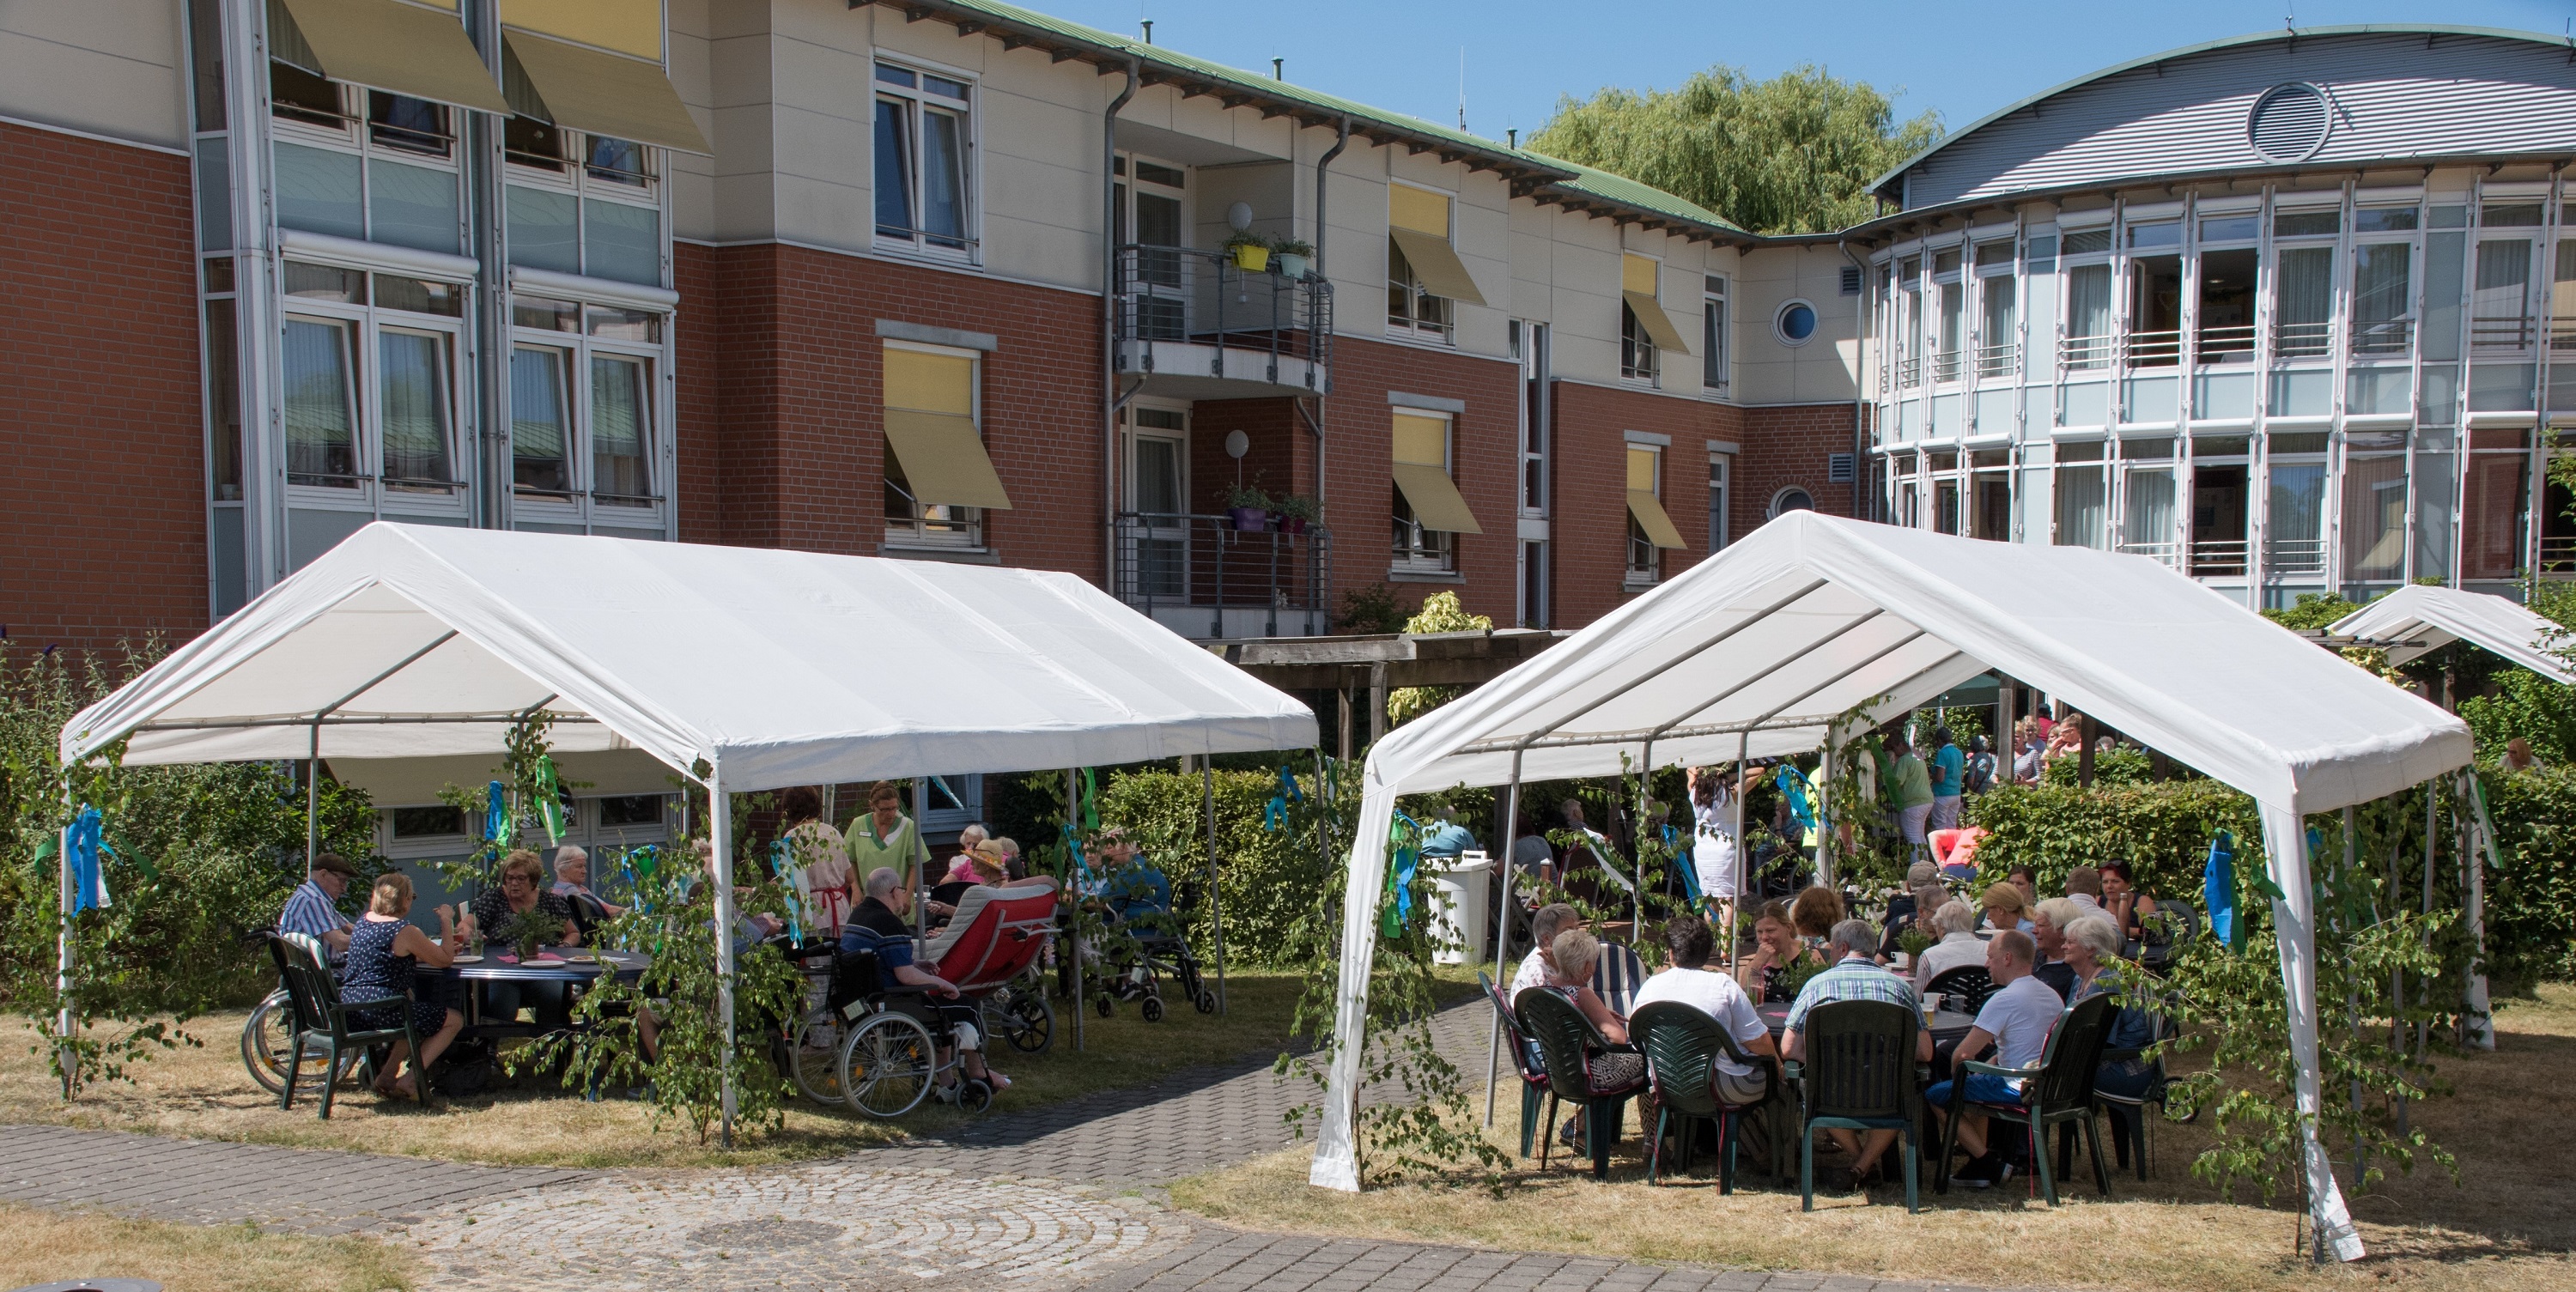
(384, 949)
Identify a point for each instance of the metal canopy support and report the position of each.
(720, 873)
(2480, 1016)
(1502, 928)
(1073, 881)
(1216, 906)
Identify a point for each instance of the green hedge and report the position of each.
(2531, 903)
(2160, 829)
(1266, 879)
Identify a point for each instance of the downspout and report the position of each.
(1315, 423)
(1860, 384)
(1109, 400)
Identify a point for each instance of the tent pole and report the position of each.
(2424, 1030)
(1824, 824)
(1637, 842)
(2352, 1002)
(1502, 927)
(1073, 883)
(1216, 909)
(2481, 1027)
(313, 800)
(2285, 852)
(1741, 874)
(67, 1057)
(720, 832)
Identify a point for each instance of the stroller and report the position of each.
(1140, 908)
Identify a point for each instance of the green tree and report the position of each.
(1793, 154)
(1440, 613)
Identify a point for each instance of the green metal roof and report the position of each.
(1320, 108)
(2204, 47)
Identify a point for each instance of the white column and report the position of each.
(2285, 849)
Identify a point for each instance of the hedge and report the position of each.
(1265, 878)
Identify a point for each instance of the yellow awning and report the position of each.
(1658, 324)
(1435, 499)
(1436, 263)
(1418, 209)
(626, 26)
(1651, 518)
(943, 459)
(606, 94)
(1421, 440)
(394, 45)
(1640, 274)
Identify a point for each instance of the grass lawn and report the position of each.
(204, 1093)
(2507, 1227)
(39, 1246)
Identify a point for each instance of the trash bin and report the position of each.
(1458, 915)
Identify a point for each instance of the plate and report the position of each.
(467, 960)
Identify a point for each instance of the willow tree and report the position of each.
(1793, 154)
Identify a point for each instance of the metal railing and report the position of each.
(2508, 333)
(2153, 349)
(1204, 298)
(1178, 560)
(2166, 553)
(2217, 557)
(1945, 366)
(2558, 554)
(1998, 359)
(2294, 556)
(2302, 340)
(2087, 351)
(2387, 336)
(2231, 344)
(1909, 371)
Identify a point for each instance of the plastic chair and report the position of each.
(1566, 1042)
(1860, 1074)
(1683, 1045)
(319, 1013)
(1970, 985)
(2129, 1125)
(1617, 975)
(1524, 1061)
(2058, 1091)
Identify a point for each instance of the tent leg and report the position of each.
(1073, 814)
(1510, 834)
(2285, 849)
(2424, 1030)
(313, 800)
(1824, 818)
(1216, 909)
(1742, 874)
(720, 832)
(1637, 842)
(2481, 1023)
(2352, 998)
(66, 1055)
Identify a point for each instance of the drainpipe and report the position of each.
(1109, 400)
(1315, 423)
(1860, 384)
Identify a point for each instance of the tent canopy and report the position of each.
(2424, 618)
(1811, 616)
(776, 668)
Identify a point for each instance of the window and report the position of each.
(923, 175)
(2303, 303)
(582, 204)
(1712, 333)
(1636, 346)
(427, 822)
(2382, 322)
(1789, 500)
(1428, 509)
(1645, 504)
(1795, 324)
(364, 164)
(2081, 496)
(939, 481)
(1645, 330)
(585, 438)
(2500, 305)
(1998, 337)
(1158, 494)
(2088, 315)
(1721, 470)
(370, 389)
(1423, 273)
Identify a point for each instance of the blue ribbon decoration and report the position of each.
(496, 814)
(1793, 784)
(82, 842)
(2218, 889)
(1288, 785)
(1274, 814)
(1405, 860)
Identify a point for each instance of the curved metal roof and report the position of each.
(2286, 36)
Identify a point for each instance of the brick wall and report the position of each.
(1787, 446)
(1590, 532)
(782, 441)
(1484, 454)
(102, 505)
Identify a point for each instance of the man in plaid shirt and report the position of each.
(1854, 975)
(313, 908)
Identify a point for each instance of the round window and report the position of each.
(1791, 499)
(1795, 324)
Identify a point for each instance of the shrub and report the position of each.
(2531, 901)
(2163, 830)
(1267, 879)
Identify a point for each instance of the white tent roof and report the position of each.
(1811, 615)
(778, 668)
(2429, 618)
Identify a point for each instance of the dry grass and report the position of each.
(48, 1246)
(204, 1093)
(2507, 1227)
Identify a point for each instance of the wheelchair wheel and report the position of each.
(974, 1095)
(886, 1065)
(816, 1065)
(1104, 1005)
(1153, 1009)
(264, 1041)
(1028, 1024)
(1205, 1000)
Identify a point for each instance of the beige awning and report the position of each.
(1436, 263)
(1435, 499)
(1651, 518)
(1658, 324)
(394, 45)
(943, 459)
(606, 94)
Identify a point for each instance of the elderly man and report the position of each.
(2014, 1024)
(1854, 975)
(880, 924)
(1544, 926)
(313, 909)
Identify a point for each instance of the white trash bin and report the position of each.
(1458, 915)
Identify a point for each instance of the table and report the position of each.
(1949, 1026)
(498, 966)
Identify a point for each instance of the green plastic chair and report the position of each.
(2058, 1091)
(1533, 1077)
(321, 1015)
(1860, 1074)
(1566, 1042)
(1683, 1045)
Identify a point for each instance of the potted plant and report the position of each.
(1295, 257)
(1250, 250)
(528, 930)
(1251, 508)
(1296, 511)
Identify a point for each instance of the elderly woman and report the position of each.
(1764, 975)
(2092, 951)
(572, 883)
(1574, 955)
(384, 949)
(1959, 944)
(2005, 907)
(522, 890)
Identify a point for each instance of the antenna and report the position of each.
(1462, 87)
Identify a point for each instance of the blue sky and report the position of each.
(1521, 55)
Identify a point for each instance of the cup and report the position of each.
(1932, 1003)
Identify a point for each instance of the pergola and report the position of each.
(739, 669)
(1814, 628)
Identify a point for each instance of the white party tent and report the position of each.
(741, 669)
(1761, 648)
(2422, 618)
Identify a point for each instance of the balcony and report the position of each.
(1193, 325)
(1203, 578)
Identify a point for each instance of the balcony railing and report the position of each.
(2294, 557)
(2154, 349)
(1204, 298)
(1205, 576)
(1945, 366)
(2231, 344)
(2386, 336)
(2218, 557)
(2302, 340)
(2088, 351)
(2506, 333)
(1997, 360)
(2166, 553)
(1909, 371)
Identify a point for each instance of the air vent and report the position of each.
(2290, 122)
(1851, 280)
(1838, 468)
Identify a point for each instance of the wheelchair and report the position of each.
(1135, 966)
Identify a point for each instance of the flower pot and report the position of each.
(1292, 265)
(1292, 524)
(1251, 520)
(1251, 259)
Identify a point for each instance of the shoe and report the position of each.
(1571, 1133)
(1982, 1173)
(947, 1094)
(1848, 1180)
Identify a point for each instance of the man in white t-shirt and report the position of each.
(1544, 926)
(1689, 982)
(2015, 1024)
